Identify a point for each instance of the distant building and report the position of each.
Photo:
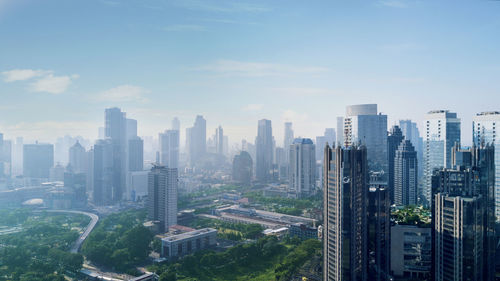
(78, 158)
(162, 196)
(242, 168)
(219, 140)
(302, 168)
(37, 160)
(116, 131)
(442, 132)
(363, 125)
(287, 140)
(56, 173)
(187, 243)
(77, 183)
(169, 149)
(264, 146)
(411, 249)
(394, 138)
(196, 138)
(135, 154)
(405, 179)
(412, 133)
(101, 173)
(303, 231)
(345, 214)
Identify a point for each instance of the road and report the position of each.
(94, 219)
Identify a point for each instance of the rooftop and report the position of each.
(189, 234)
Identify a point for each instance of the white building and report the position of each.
(302, 167)
(162, 196)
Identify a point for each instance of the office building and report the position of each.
(196, 140)
(281, 157)
(176, 124)
(379, 212)
(393, 140)
(363, 125)
(162, 196)
(411, 249)
(219, 141)
(242, 168)
(38, 158)
(135, 154)
(484, 132)
(302, 167)
(179, 245)
(169, 149)
(264, 151)
(340, 131)
(102, 172)
(78, 158)
(442, 131)
(405, 179)
(116, 130)
(303, 231)
(345, 214)
(412, 133)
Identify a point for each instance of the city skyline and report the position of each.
(57, 76)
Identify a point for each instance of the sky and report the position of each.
(62, 62)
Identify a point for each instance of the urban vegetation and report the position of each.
(288, 206)
(229, 231)
(412, 215)
(266, 259)
(40, 250)
(119, 241)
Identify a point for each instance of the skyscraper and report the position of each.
(169, 149)
(330, 135)
(340, 131)
(264, 147)
(484, 132)
(162, 196)
(379, 224)
(363, 125)
(219, 140)
(135, 154)
(288, 138)
(442, 131)
(412, 133)
(197, 140)
(38, 158)
(242, 168)
(393, 140)
(78, 158)
(345, 214)
(302, 167)
(405, 179)
(116, 130)
(101, 172)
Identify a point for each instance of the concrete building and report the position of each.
(405, 179)
(162, 196)
(363, 125)
(302, 167)
(101, 173)
(379, 212)
(264, 153)
(412, 133)
(179, 245)
(78, 158)
(345, 214)
(135, 154)
(219, 140)
(196, 138)
(303, 231)
(411, 248)
(38, 158)
(116, 131)
(442, 131)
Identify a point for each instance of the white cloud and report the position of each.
(257, 69)
(22, 74)
(184, 27)
(124, 93)
(52, 84)
(253, 107)
(394, 3)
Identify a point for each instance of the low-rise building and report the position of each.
(187, 243)
(303, 231)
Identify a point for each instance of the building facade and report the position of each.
(162, 196)
(242, 168)
(169, 149)
(405, 180)
(302, 167)
(394, 138)
(264, 153)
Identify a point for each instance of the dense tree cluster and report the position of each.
(230, 231)
(40, 250)
(265, 259)
(119, 241)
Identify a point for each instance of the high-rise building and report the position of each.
(394, 138)
(38, 158)
(463, 217)
(345, 214)
(340, 131)
(242, 168)
(78, 158)
(162, 196)
(264, 147)
(135, 154)
(219, 140)
(442, 131)
(363, 125)
(197, 140)
(116, 130)
(379, 224)
(288, 137)
(328, 137)
(484, 132)
(302, 167)
(405, 179)
(412, 133)
(77, 184)
(2, 158)
(176, 124)
(101, 173)
(169, 149)
(281, 156)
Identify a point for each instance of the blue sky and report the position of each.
(63, 61)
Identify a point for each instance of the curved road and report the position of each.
(94, 219)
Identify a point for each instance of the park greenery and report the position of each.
(266, 259)
(119, 241)
(40, 250)
(412, 215)
(229, 231)
(289, 206)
